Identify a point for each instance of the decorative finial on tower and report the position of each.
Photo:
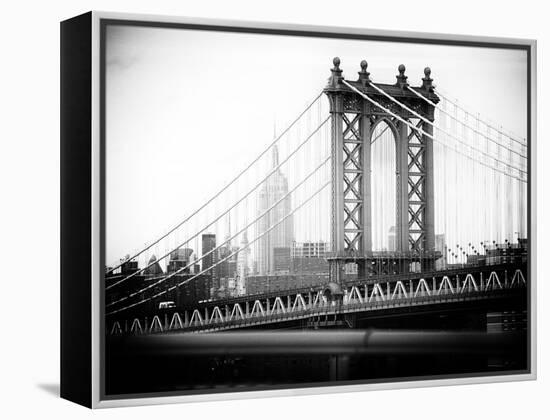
(364, 74)
(336, 76)
(401, 78)
(427, 80)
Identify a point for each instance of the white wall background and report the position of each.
(29, 209)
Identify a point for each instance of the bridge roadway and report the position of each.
(381, 278)
(389, 293)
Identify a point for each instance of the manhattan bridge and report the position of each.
(412, 207)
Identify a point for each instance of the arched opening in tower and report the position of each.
(383, 187)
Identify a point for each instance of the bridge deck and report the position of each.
(365, 297)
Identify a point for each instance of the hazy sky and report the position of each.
(186, 110)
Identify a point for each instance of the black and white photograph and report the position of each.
(298, 209)
(274, 210)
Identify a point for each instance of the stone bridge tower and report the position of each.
(353, 121)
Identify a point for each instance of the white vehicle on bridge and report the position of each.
(167, 305)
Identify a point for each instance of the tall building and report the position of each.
(226, 256)
(281, 260)
(440, 245)
(243, 262)
(179, 259)
(195, 267)
(282, 236)
(309, 249)
(153, 267)
(129, 267)
(208, 244)
(309, 258)
(223, 269)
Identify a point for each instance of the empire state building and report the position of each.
(273, 246)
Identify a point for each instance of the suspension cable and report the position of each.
(224, 259)
(466, 125)
(416, 114)
(137, 254)
(455, 103)
(228, 240)
(426, 134)
(275, 169)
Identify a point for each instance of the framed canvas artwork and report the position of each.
(253, 209)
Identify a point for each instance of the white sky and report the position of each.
(186, 110)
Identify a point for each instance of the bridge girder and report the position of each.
(357, 298)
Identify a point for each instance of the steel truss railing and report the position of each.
(376, 296)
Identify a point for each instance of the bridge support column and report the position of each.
(337, 202)
(351, 163)
(366, 210)
(402, 198)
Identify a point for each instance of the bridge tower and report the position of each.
(353, 121)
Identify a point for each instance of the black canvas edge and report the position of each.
(75, 209)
